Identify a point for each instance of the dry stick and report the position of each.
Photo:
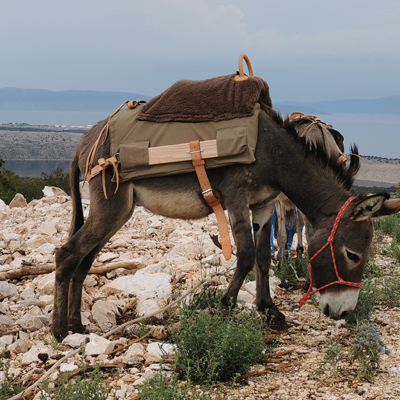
(25, 271)
(73, 352)
(48, 268)
(130, 343)
(102, 269)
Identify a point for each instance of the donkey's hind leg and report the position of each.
(74, 259)
(262, 219)
(75, 290)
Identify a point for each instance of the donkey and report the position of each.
(283, 164)
(284, 225)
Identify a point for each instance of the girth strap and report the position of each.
(211, 197)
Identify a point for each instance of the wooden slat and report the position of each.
(179, 152)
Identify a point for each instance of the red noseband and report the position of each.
(329, 242)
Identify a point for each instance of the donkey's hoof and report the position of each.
(78, 328)
(276, 319)
(280, 325)
(59, 334)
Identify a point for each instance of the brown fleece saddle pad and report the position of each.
(216, 99)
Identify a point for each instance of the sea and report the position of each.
(375, 134)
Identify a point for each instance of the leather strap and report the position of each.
(101, 167)
(211, 197)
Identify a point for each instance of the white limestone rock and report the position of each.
(4, 211)
(76, 340)
(31, 356)
(52, 191)
(48, 228)
(98, 345)
(33, 323)
(151, 290)
(45, 284)
(7, 290)
(18, 201)
(104, 313)
(46, 249)
(68, 367)
(161, 349)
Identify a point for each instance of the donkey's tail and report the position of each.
(77, 210)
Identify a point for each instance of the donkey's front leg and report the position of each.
(240, 221)
(262, 219)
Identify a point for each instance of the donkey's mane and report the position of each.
(344, 175)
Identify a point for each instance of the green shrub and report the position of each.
(89, 387)
(394, 249)
(334, 362)
(388, 291)
(366, 302)
(366, 351)
(292, 271)
(214, 347)
(362, 358)
(57, 178)
(160, 387)
(8, 387)
(389, 226)
(30, 188)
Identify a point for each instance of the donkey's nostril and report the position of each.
(326, 310)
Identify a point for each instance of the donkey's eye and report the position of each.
(352, 256)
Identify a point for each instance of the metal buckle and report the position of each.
(195, 151)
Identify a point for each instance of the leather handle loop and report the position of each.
(242, 76)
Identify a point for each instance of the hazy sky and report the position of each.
(306, 50)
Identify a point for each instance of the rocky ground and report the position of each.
(151, 261)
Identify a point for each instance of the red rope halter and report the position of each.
(329, 242)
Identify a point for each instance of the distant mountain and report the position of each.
(69, 100)
(85, 100)
(383, 105)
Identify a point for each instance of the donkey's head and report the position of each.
(339, 250)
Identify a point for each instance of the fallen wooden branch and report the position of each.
(48, 268)
(26, 271)
(130, 343)
(103, 269)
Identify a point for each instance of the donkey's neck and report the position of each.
(306, 181)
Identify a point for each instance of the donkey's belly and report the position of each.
(177, 203)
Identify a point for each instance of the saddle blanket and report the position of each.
(215, 99)
(149, 149)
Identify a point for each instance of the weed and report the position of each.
(160, 386)
(214, 347)
(389, 291)
(208, 298)
(366, 302)
(394, 249)
(8, 387)
(292, 271)
(90, 387)
(362, 357)
(389, 226)
(372, 268)
(333, 363)
(367, 349)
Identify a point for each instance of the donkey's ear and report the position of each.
(369, 206)
(389, 207)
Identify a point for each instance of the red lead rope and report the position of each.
(329, 242)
